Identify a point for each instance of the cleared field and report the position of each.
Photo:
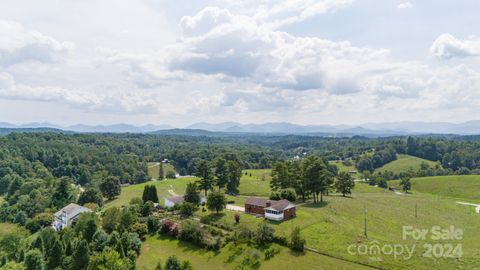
(342, 167)
(176, 185)
(333, 226)
(255, 183)
(159, 248)
(465, 187)
(154, 169)
(403, 163)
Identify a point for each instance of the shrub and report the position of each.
(169, 227)
(187, 209)
(297, 242)
(264, 234)
(170, 175)
(172, 263)
(275, 196)
(141, 229)
(191, 232)
(153, 224)
(237, 218)
(271, 252)
(40, 221)
(288, 194)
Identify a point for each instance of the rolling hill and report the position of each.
(463, 187)
(403, 163)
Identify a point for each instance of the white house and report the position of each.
(66, 216)
(178, 200)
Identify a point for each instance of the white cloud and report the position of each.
(404, 5)
(18, 45)
(447, 46)
(276, 14)
(240, 48)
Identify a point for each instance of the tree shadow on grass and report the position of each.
(341, 196)
(315, 205)
(297, 253)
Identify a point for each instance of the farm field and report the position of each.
(403, 163)
(154, 169)
(465, 187)
(336, 224)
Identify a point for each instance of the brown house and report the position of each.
(270, 209)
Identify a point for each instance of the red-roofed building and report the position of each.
(270, 209)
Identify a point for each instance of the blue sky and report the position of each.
(251, 61)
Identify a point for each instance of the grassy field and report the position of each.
(154, 169)
(255, 183)
(465, 187)
(333, 226)
(342, 167)
(176, 185)
(158, 248)
(404, 163)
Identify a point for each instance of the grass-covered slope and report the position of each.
(466, 187)
(403, 163)
(154, 169)
(158, 248)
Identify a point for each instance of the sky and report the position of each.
(250, 61)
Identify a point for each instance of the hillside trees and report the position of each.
(91, 195)
(310, 176)
(110, 187)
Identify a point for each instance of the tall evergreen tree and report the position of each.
(191, 194)
(34, 260)
(234, 173)
(63, 194)
(80, 256)
(55, 255)
(221, 173)
(203, 170)
(150, 194)
(161, 172)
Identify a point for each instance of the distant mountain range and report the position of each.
(367, 129)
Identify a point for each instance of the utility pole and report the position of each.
(365, 220)
(416, 210)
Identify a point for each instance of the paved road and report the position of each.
(235, 208)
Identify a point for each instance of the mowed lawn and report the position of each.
(154, 169)
(465, 187)
(157, 248)
(403, 163)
